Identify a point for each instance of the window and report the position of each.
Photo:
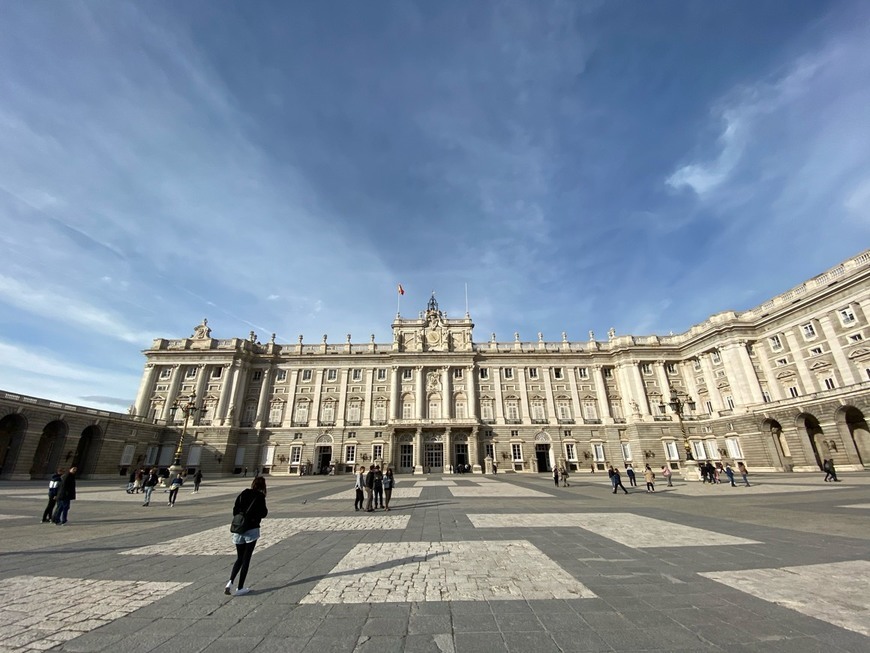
(407, 408)
(775, 343)
(709, 405)
(306, 375)
(382, 374)
(276, 413)
(517, 452)
(513, 409)
(570, 452)
(331, 375)
(671, 450)
(781, 361)
(696, 365)
(297, 436)
(608, 372)
(256, 375)
(566, 433)
(856, 337)
(301, 413)
(490, 450)
(328, 414)
(217, 372)
(377, 451)
(434, 409)
(486, 409)
(583, 372)
(282, 375)
(558, 373)
(353, 412)
(484, 373)
(646, 369)
(457, 373)
(356, 375)
(460, 409)
(165, 373)
(793, 391)
(816, 351)
(765, 395)
(698, 450)
(380, 410)
(829, 384)
(847, 316)
(508, 373)
(712, 449)
(729, 401)
(533, 372)
(538, 409)
(598, 452)
(716, 357)
(191, 372)
(733, 446)
(809, 331)
(407, 374)
(515, 434)
(590, 410)
(350, 453)
(249, 415)
(295, 455)
(563, 409)
(670, 368)
(626, 451)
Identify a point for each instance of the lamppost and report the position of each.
(678, 403)
(187, 409)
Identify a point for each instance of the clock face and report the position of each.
(433, 337)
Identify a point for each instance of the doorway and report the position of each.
(324, 458)
(542, 455)
(433, 458)
(406, 458)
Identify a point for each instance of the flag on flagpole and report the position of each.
(401, 290)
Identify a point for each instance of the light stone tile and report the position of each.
(493, 490)
(442, 483)
(398, 493)
(446, 571)
(630, 530)
(838, 593)
(218, 541)
(45, 610)
(2, 517)
(860, 506)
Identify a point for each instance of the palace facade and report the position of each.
(780, 387)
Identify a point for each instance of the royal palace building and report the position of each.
(781, 387)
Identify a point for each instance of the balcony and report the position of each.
(539, 421)
(619, 420)
(591, 421)
(662, 418)
(379, 422)
(355, 422)
(299, 423)
(326, 423)
(513, 421)
(566, 421)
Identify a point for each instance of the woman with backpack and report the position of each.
(252, 505)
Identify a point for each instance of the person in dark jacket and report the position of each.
(66, 492)
(370, 487)
(53, 487)
(616, 481)
(252, 503)
(149, 484)
(378, 488)
(197, 479)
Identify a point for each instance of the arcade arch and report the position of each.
(12, 430)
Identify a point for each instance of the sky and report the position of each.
(281, 166)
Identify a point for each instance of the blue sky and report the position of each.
(281, 166)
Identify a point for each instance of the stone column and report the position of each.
(421, 392)
(240, 383)
(689, 378)
(830, 336)
(418, 451)
(396, 393)
(710, 380)
(576, 411)
(146, 389)
(736, 379)
(473, 411)
(600, 392)
(640, 388)
(315, 403)
(773, 385)
(499, 398)
(753, 386)
(474, 450)
(201, 380)
(626, 392)
(525, 412)
(801, 365)
(552, 418)
(664, 382)
(448, 450)
(368, 406)
(447, 401)
(291, 400)
(223, 401)
(341, 409)
(262, 417)
(172, 395)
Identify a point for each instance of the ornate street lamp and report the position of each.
(187, 409)
(678, 403)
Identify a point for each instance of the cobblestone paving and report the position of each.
(446, 571)
(825, 591)
(630, 530)
(38, 613)
(218, 541)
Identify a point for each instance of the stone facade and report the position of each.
(780, 387)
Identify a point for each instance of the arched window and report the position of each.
(328, 412)
(301, 416)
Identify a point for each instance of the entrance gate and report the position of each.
(433, 457)
(406, 458)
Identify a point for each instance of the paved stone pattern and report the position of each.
(446, 571)
(218, 541)
(624, 596)
(629, 530)
(38, 613)
(837, 593)
(398, 493)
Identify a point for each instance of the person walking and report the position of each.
(66, 492)
(370, 487)
(832, 471)
(131, 482)
(650, 477)
(629, 471)
(730, 474)
(743, 472)
(149, 484)
(378, 490)
(556, 476)
(359, 487)
(616, 481)
(197, 480)
(389, 484)
(251, 503)
(53, 487)
(140, 478)
(563, 475)
(174, 486)
(666, 472)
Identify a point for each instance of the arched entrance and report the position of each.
(778, 443)
(323, 454)
(12, 430)
(544, 452)
(49, 450)
(856, 425)
(816, 436)
(85, 455)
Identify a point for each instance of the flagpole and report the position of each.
(398, 303)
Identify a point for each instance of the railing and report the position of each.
(591, 421)
(566, 420)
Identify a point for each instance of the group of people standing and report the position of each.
(373, 487)
(61, 491)
(144, 481)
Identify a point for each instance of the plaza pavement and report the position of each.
(463, 563)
